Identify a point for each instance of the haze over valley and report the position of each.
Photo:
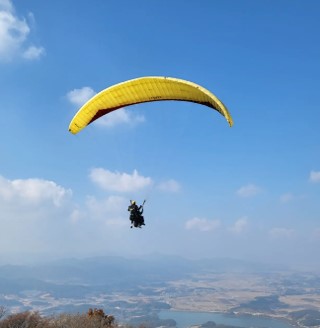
(143, 287)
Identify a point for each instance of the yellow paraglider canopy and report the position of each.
(140, 90)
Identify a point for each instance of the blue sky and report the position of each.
(249, 192)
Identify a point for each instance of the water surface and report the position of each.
(187, 319)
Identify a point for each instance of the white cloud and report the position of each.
(40, 217)
(80, 96)
(121, 182)
(120, 116)
(202, 224)
(109, 210)
(281, 233)
(33, 53)
(249, 190)
(170, 185)
(14, 33)
(239, 226)
(6, 5)
(314, 176)
(32, 191)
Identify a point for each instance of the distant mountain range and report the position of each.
(62, 276)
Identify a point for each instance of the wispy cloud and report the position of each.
(33, 53)
(120, 116)
(80, 96)
(120, 182)
(169, 185)
(14, 34)
(109, 210)
(316, 234)
(287, 197)
(202, 224)
(249, 190)
(290, 197)
(239, 226)
(281, 233)
(314, 176)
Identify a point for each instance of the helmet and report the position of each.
(133, 202)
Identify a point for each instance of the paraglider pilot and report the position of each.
(136, 217)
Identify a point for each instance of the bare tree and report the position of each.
(3, 311)
(92, 319)
(22, 320)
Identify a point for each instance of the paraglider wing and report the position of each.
(140, 90)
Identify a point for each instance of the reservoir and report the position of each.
(187, 319)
